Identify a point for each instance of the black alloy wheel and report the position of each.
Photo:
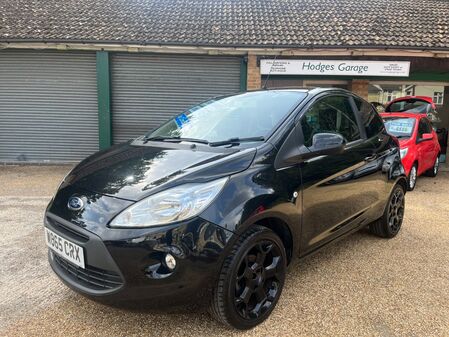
(251, 279)
(396, 210)
(390, 223)
(258, 280)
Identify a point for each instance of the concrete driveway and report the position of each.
(361, 286)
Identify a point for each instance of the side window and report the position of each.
(370, 118)
(423, 127)
(429, 126)
(332, 114)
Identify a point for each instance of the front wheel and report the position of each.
(434, 170)
(390, 223)
(251, 279)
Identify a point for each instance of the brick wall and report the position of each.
(253, 81)
(359, 87)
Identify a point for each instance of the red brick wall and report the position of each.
(359, 87)
(253, 78)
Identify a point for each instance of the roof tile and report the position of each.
(289, 23)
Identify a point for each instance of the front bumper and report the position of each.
(123, 264)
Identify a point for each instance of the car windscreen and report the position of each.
(400, 127)
(409, 105)
(247, 115)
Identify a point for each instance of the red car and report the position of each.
(420, 149)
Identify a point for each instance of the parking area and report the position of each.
(360, 286)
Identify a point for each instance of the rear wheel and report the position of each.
(434, 170)
(412, 177)
(390, 223)
(251, 279)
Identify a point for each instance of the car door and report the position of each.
(379, 140)
(425, 147)
(338, 190)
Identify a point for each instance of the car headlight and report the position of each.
(403, 152)
(175, 204)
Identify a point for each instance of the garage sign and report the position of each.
(335, 68)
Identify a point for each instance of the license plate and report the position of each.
(66, 249)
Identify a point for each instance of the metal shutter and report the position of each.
(48, 106)
(148, 89)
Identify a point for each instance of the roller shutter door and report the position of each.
(148, 89)
(48, 106)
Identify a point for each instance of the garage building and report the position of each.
(78, 76)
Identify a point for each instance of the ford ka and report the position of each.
(215, 203)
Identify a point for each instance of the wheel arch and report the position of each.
(281, 229)
(402, 181)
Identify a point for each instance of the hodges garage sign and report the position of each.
(335, 68)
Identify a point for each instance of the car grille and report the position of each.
(67, 231)
(90, 277)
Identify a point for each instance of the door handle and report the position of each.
(371, 158)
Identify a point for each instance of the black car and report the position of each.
(215, 203)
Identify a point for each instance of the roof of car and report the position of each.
(314, 90)
(251, 23)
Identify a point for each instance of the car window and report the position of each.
(251, 114)
(371, 120)
(423, 127)
(332, 114)
(430, 126)
(409, 105)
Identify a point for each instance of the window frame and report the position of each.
(427, 124)
(316, 99)
(359, 113)
(392, 95)
(438, 95)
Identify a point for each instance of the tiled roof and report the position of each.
(260, 23)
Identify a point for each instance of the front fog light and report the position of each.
(170, 261)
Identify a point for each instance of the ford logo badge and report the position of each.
(75, 204)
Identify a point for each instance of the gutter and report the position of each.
(172, 48)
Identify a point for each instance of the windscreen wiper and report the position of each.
(174, 139)
(237, 141)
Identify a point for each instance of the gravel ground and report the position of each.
(361, 286)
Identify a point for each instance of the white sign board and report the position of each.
(335, 68)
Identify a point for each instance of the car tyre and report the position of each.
(434, 170)
(251, 279)
(412, 177)
(390, 223)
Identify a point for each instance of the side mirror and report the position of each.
(327, 143)
(427, 136)
(322, 144)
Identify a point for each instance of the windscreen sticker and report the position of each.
(181, 120)
(401, 127)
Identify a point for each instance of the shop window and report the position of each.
(438, 97)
